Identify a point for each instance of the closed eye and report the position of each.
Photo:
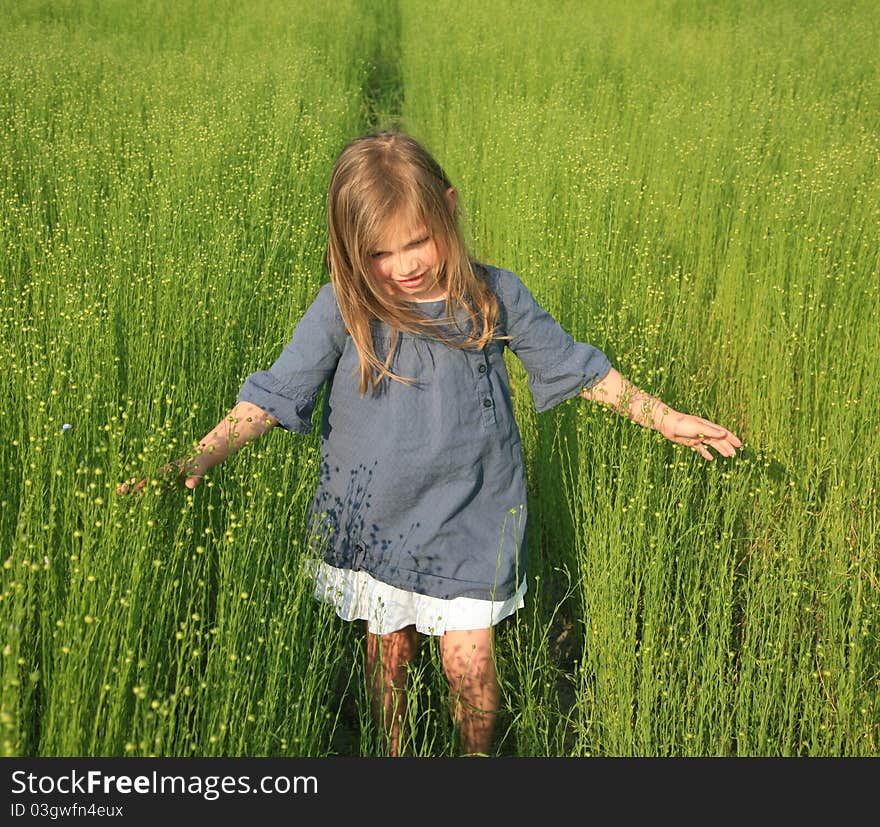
(418, 242)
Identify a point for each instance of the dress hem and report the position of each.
(356, 595)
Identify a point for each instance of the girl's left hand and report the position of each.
(699, 434)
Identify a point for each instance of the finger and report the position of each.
(714, 431)
(192, 482)
(125, 487)
(726, 447)
(701, 447)
(717, 436)
(708, 430)
(132, 486)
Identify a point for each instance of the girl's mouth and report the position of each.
(413, 282)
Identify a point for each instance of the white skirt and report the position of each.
(358, 596)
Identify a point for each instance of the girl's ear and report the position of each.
(451, 199)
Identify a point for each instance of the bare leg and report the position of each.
(470, 669)
(388, 657)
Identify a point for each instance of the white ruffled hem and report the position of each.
(357, 596)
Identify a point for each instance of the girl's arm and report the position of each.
(622, 396)
(243, 424)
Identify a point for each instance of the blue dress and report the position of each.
(422, 486)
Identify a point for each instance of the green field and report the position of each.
(693, 187)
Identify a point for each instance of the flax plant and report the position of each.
(692, 188)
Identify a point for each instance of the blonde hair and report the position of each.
(377, 178)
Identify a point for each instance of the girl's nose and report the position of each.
(407, 265)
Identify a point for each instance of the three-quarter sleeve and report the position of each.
(289, 388)
(558, 367)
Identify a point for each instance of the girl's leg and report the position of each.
(388, 657)
(470, 668)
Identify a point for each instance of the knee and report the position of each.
(468, 670)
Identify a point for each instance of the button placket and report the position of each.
(484, 392)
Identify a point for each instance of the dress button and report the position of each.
(487, 403)
(482, 368)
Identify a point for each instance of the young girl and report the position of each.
(419, 513)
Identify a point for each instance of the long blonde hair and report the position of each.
(376, 178)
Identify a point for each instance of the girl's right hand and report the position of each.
(242, 424)
(176, 474)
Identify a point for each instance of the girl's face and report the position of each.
(407, 259)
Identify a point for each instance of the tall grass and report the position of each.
(162, 178)
(692, 187)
